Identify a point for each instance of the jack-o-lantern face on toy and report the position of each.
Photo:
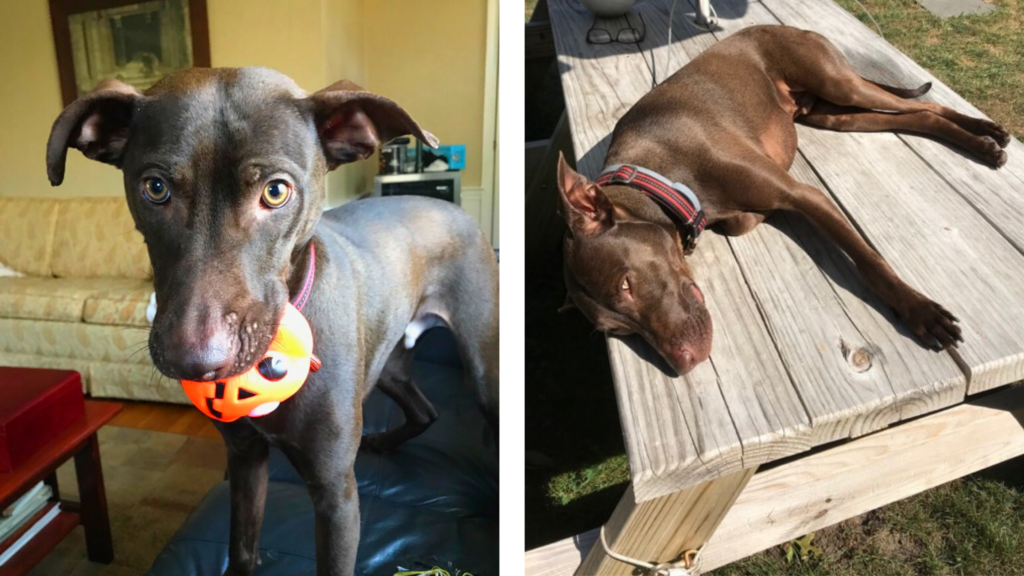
(261, 389)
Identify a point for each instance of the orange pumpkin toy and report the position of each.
(277, 377)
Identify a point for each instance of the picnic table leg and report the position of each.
(544, 227)
(662, 529)
(540, 12)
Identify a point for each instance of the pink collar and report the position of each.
(307, 283)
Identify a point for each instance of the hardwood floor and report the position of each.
(173, 418)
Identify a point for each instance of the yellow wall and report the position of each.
(428, 56)
(29, 103)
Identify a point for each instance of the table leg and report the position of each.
(93, 495)
(51, 481)
(662, 529)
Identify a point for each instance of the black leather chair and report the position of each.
(434, 501)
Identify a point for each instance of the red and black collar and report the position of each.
(677, 198)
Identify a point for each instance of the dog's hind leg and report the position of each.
(848, 119)
(397, 383)
(855, 91)
(480, 355)
(822, 69)
(473, 317)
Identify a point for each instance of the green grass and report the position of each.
(973, 526)
(576, 468)
(530, 5)
(979, 57)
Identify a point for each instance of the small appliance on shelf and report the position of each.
(433, 172)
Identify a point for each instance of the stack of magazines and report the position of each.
(24, 508)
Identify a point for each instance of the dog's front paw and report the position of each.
(934, 325)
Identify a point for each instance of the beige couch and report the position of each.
(81, 302)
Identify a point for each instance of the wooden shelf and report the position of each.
(14, 484)
(40, 545)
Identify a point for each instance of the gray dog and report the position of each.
(224, 175)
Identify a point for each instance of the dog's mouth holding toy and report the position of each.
(278, 376)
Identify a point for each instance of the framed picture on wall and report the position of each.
(136, 42)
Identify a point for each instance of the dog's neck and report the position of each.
(628, 148)
(637, 205)
(300, 266)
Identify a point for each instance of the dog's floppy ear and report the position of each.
(585, 207)
(352, 122)
(97, 124)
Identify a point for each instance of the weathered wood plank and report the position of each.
(561, 558)
(844, 481)
(966, 264)
(856, 367)
(663, 529)
(735, 411)
(864, 474)
(533, 157)
(996, 193)
(543, 224)
(732, 412)
(539, 43)
(904, 379)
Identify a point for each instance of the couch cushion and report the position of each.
(119, 344)
(119, 305)
(26, 234)
(96, 237)
(64, 299)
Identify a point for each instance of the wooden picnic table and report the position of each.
(804, 355)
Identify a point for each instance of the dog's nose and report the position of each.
(204, 359)
(684, 355)
(684, 361)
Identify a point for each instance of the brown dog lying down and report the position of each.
(719, 135)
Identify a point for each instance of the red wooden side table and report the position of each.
(79, 441)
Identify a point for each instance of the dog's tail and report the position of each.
(905, 92)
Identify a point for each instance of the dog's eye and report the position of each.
(276, 193)
(626, 286)
(156, 190)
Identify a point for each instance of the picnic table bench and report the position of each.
(816, 404)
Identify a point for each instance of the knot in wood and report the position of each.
(858, 357)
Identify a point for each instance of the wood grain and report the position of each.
(864, 474)
(173, 418)
(856, 367)
(544, 226)
(790, 312)
(810, 493)
(560, 558)
(738, 409)
(663, 529)
(908, 195)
